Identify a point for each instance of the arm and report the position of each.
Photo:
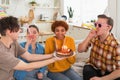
(35, 57)
(34, 65)
(85, 44)
(29, 41)
(71, 59)
(115, 74)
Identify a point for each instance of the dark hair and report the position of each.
(109, 19)
(10, 23)
(59, 23)
(34, 26)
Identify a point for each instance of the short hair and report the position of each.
(10, 23)
(34, 26)
(109, 20)
(59, 23)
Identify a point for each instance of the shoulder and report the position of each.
(69, 38)
(22, 44)
(50, 39)
(1, 44)
(2, 48)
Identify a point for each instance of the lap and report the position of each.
(32, 75)
(57, 76)
(69, 74)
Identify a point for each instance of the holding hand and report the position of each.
(92, 34)
(29, 40)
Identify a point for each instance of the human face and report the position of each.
(102, 28)
(14, 35)
(60, 32)
(32, 34)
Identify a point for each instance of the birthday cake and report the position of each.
(64, 52)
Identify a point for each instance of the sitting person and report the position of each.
(61, 70)
(33, 47)
(10, 50)
(105, 50)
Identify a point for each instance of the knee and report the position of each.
(87, 68)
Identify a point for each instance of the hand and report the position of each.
(57, 58)
(96, 78)
(92, 34)
(29, 40)
(40, 75)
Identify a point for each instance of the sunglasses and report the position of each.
(98, 24)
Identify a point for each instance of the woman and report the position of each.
(10, 50)
(33, 47)
(61, 70)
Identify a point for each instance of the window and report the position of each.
(85, 10)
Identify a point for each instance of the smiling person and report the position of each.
(33, 47)
(10, 50)
(61, 70)
(105, 50)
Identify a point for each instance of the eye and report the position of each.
(95, 24)
(99, 25)
(34, 32)
(56, 30)
(63, 30)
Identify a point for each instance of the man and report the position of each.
(104, 55)
(10, 50)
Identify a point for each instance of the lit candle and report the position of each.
(65, 48)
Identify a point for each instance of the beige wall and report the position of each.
(113, 10)
(118, 20)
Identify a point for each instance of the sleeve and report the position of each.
(20, 50)
(22, 44)
(8, 61)
(117, 57)
(71, 59)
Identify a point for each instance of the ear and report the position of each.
(110, 28)
(8, 32)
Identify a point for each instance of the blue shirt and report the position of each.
(20, 75)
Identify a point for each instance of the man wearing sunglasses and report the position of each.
(105, 51)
